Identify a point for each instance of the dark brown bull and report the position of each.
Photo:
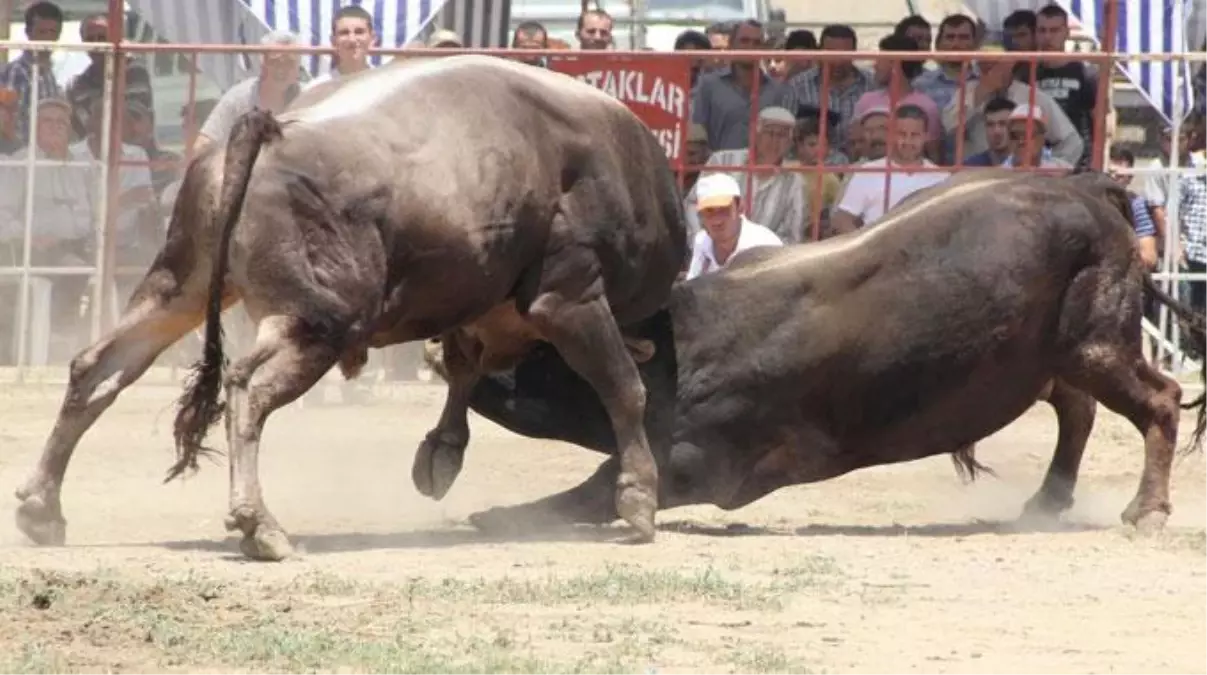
(490, 202)
(917, 337)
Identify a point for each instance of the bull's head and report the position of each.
(542, 397)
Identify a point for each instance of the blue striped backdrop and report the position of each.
(1145, 27)
(397, 22)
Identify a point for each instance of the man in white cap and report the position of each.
(777, 199)
(726, 231)
(1033, 153)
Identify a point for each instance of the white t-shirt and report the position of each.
(331, 74)
(864, 196)
(752, 235)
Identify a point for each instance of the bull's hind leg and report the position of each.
(439, 458)
(285, 363)
(590, 503)
(1125, 383)
(98, 374)
(587, 337)
(1075, 412)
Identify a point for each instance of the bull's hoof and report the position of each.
(42, 523)
(637, 505)
(1147, 521)
(437, 464)
(262, 539)
(1043, 510)
(267, 545)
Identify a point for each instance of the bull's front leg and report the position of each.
(440, 456)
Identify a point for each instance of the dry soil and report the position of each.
(894, 569)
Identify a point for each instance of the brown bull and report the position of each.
(490, 202)
(919, 336)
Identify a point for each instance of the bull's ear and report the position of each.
(641, 350)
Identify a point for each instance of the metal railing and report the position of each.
(103, 270)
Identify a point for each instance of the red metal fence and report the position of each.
(672, 69)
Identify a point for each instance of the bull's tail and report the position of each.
(1197, 323)
(199, 405)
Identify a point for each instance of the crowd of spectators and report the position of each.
(917, 120)
(915, 117)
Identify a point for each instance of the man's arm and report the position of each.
(697, 263)
(796, 211)
(847, 214)
(1064, 138)
(220, 120)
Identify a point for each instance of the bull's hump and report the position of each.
(804, 257)
(374, 91)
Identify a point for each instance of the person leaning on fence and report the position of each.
(273, 89)
(725, 230)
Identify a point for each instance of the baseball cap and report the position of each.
(1026, 111)
(874, 109)
(715, 190)
(776, 114)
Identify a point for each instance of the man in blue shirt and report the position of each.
(997, 134)
(1121, 162)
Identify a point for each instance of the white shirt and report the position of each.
(331, 74)
(704, 260)
(864, 196)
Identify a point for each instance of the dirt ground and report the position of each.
(895, 569)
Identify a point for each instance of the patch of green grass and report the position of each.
(748, 657)
(55, 622)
